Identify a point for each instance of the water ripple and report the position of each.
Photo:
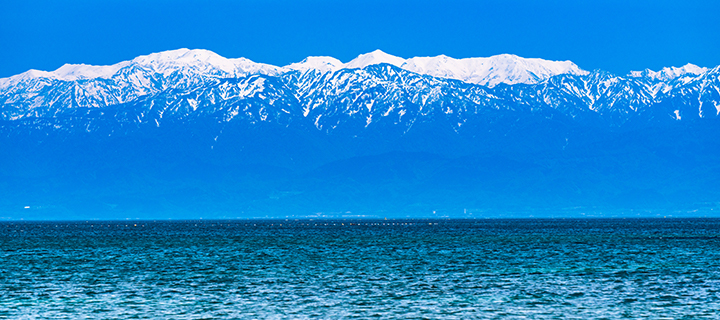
(451, 269)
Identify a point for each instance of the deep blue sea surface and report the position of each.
(449, 269)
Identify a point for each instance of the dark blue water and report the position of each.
(661, 268)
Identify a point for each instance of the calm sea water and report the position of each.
(450, 269)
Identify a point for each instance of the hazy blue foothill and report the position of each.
(376, 141)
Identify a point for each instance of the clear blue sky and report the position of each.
(617, 36)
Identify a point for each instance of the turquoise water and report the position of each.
(450, 269)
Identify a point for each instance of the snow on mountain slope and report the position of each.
(663, 81)
(504, 68)
(39, 92)
(671, 73)
(72, 72)
(165, 63)
(322, 64)
(203, 61)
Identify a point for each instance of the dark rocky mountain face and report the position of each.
(378, 141)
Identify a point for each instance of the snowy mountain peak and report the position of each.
(197, 61)
(203, 61)
(72, 72)
(32, 73)
(504, 68)
(375, 57)
(321, 63)
(180, 55)
(27, 75)
(667, 74)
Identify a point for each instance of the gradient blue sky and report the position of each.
(617, 36)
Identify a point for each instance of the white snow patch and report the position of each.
(677, 115)
(317, 122)
(193, 103)
(369, 105)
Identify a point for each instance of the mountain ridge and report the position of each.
(443, 66)
(201, 133)
(615, 98)
(164, 62)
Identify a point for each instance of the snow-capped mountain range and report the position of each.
(191, 130)
(506, 68)
(373, 88)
